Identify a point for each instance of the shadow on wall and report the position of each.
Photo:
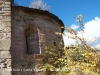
(32, 39)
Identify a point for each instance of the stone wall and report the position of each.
(42, 33)
(24, 33)
(32, 30)
(5, 37)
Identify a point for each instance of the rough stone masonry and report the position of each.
(24, 33)
(5, 37)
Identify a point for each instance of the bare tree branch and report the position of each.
(39, 4)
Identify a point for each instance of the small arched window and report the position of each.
(32, 40)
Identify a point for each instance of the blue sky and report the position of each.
(67, 11)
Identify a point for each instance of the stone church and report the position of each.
(24, 33)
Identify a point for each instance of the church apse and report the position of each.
(32, 30)
(24, 33)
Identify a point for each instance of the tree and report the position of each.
(81, 60)
(39, 4)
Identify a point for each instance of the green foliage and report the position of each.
(54, 55)
(81, 60)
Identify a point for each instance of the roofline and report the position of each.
(43, 12)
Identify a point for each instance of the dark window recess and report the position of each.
(27, 45)
(33, 33)
(23, 65)
(55, 44)
(28, 30)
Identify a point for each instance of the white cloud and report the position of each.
(92, 29)
(73, 26)
(67, 40)
(98, 46)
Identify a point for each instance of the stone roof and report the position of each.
(42, 12)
